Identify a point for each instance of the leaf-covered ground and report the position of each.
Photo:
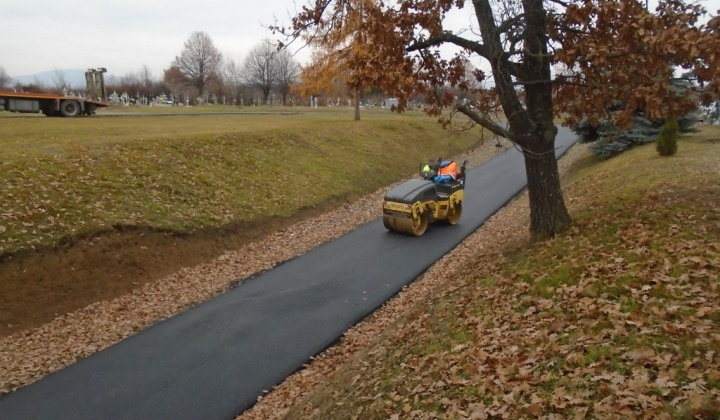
(617, 318)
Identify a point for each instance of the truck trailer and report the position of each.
(54, 105)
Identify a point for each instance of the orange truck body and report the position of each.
(54, 105)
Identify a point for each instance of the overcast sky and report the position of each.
(124, 35)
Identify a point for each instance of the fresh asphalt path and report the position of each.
(213, 360)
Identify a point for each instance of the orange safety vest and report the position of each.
(450, 169)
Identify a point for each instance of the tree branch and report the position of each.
(509, 23)
(449, 37)
(561, 3)
(483, 121)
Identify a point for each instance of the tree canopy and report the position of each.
(340, 49)
(608, 51)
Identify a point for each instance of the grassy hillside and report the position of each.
(619, 317)
(64, 178)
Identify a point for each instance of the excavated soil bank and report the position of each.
(38, 285)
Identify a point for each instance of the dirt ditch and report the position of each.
(38, 285)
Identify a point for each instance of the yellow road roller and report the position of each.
(436, 196)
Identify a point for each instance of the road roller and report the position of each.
(436, 196)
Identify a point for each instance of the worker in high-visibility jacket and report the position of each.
(447, 172)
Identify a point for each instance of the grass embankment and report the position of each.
(64, 178)
(619, 317)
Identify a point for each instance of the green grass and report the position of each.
(68, 177)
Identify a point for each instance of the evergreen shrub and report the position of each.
(608, 140)
(667, 139)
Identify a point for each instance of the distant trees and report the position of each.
(341, 48)
(5, 80)
(286, 75)
(258, 67)
(233, 78)
(265, 67)
(7, 83)
(32, 87)
(200, 70)
(146, 79)
(60, 82)
(174, 80)
(141, 82)
(199, 60)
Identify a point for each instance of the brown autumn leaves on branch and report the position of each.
(608, 51)
(620, 52)
(611, 59)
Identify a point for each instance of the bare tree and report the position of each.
(130, 81)
(5, 80)
(287, 72)
(146, 78)
(36, 86)
(233, 76)
(137, 83)
(199, 60)
(59, 80)
(259, 67)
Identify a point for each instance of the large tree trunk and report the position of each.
(548, 214)
(534, 127)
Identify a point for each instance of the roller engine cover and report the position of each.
(412, 191)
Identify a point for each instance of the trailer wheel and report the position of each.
(69, 108)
